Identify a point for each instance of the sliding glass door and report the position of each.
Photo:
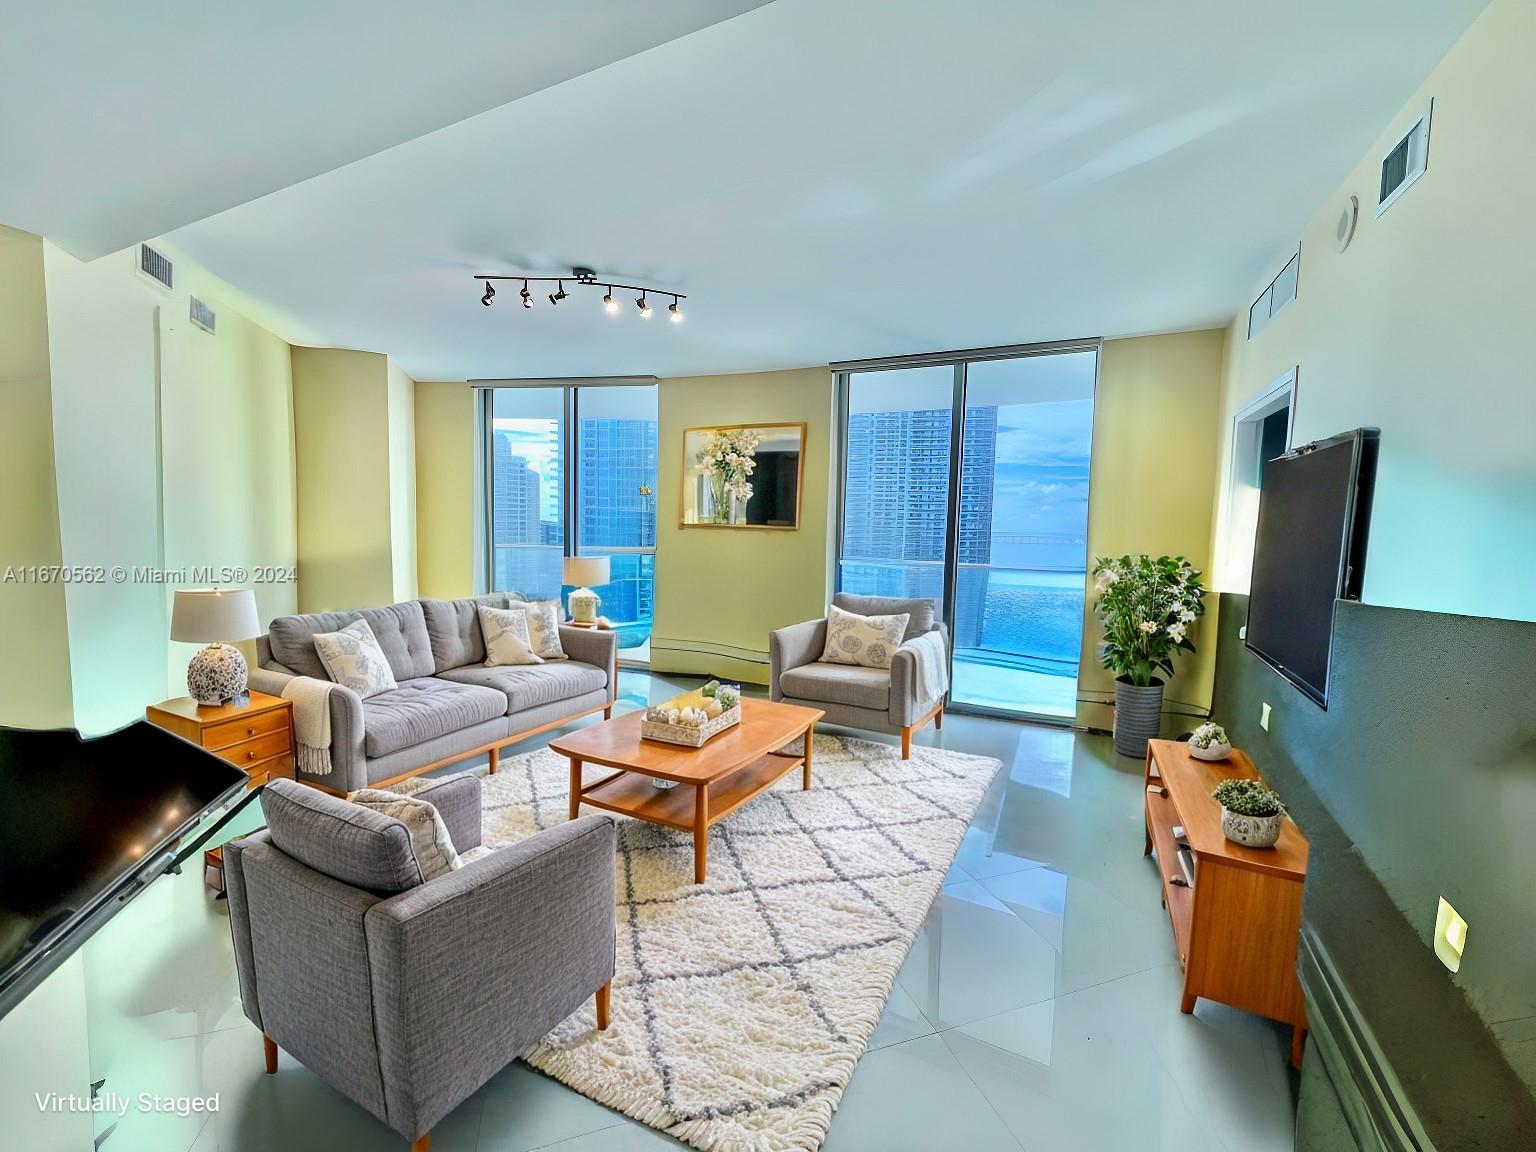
(966, 481)
(572, 472)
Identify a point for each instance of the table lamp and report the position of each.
(581, 571)
(212, 616)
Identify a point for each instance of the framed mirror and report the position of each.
(743, 476)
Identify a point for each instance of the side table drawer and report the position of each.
(231, 732)
(249, 752)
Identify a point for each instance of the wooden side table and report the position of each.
(255, 735)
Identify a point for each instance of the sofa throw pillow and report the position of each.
(543, 627)
(353, 659)
(506, 637)
(869, 641)
(429, 835)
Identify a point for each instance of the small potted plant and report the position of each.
(1147, 608)
(1209, 742)
(1250, 813)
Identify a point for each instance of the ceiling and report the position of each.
(824, 180)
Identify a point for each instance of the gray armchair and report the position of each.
(896, 700)
(407, 996)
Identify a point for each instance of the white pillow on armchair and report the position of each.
(868, 641)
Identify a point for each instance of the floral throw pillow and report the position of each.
(543, 627)
(506, 636)
(869, 641)
(353, 659)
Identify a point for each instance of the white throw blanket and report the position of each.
(932, 664)
(311, 722)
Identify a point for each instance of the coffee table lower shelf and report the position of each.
(687, 807)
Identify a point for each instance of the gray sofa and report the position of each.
(875, 699)
(407, 996)
(448, 705)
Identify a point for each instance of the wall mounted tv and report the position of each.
(1309, 550)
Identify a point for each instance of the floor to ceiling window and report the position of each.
(572, 472)
(966, 480)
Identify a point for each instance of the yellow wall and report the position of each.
(34, 648)
(402, 482)
(1422, 328)
(1154, 463)
(719, 592)
(445, 489)
(341, 438)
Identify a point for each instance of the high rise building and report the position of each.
(515, 514)
(617, 461)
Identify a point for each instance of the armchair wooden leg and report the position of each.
(608, 712)
(938, 719)
(495, 760)
(603, 994)
(906, 742)
(269, 1050)
(422, 1143)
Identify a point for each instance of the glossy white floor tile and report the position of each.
(1037, 1010)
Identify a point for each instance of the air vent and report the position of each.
(1404, 162)
(1281, 291)
(202, 315)
(155, 266)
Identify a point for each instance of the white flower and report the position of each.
(1186, 614)
(1148, 627)
(1102, 579)
(1176, 630)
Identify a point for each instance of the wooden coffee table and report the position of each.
(712, 781)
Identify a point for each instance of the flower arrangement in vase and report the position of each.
(1146, 608)
(727, 462)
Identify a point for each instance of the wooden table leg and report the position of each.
(1298, 1044)
(700, 832)
(810, 738)
(575, 787)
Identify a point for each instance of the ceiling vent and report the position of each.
(154, 266)
(1404, 162)
(1281, 291)
(202, 315)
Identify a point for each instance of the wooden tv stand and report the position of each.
(1237, 926)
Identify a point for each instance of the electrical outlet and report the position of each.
(1242, 633)
(1264, 718)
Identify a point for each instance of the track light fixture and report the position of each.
(588, 278)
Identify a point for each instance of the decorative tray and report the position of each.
(693, 718)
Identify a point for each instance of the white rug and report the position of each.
(740, 1006)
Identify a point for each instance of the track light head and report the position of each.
(675, 312)
(645, 309)
(559, 294)
(609, 303)
(526, 295)
(490, 294)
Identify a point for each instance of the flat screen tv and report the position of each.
(1309, 551)
(85, 825)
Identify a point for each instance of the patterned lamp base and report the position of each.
(217, 674)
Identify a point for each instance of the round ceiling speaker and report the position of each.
(1344, 230)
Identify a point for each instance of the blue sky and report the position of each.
(1042, 471)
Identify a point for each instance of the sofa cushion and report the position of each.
(506, 637)
(401, 630)
(345, 841)
(353, 659)
(919, 611)
(429, 834)
(422, 709)
(839, 684)
(453, 628)
(868, 641)
(529, 687)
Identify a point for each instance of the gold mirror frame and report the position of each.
(798, 426)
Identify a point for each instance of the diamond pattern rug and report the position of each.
(740, 1006)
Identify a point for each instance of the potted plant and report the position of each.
(1146, 608)
(1250, 813)
(1209, 742)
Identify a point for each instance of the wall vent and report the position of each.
(155, 266)
(202, 315)
(1404, 162)
(1281, 291)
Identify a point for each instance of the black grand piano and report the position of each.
(87, 824)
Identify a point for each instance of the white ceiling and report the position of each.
(121, 120)
(825, 180)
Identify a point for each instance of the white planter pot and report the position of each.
(1213, 752)
(1254, 831)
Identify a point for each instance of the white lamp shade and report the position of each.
(585, 571)
(213, 615)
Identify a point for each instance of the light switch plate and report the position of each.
(1264, 718)
(1450, 935)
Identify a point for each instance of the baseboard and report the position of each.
(704, 658)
